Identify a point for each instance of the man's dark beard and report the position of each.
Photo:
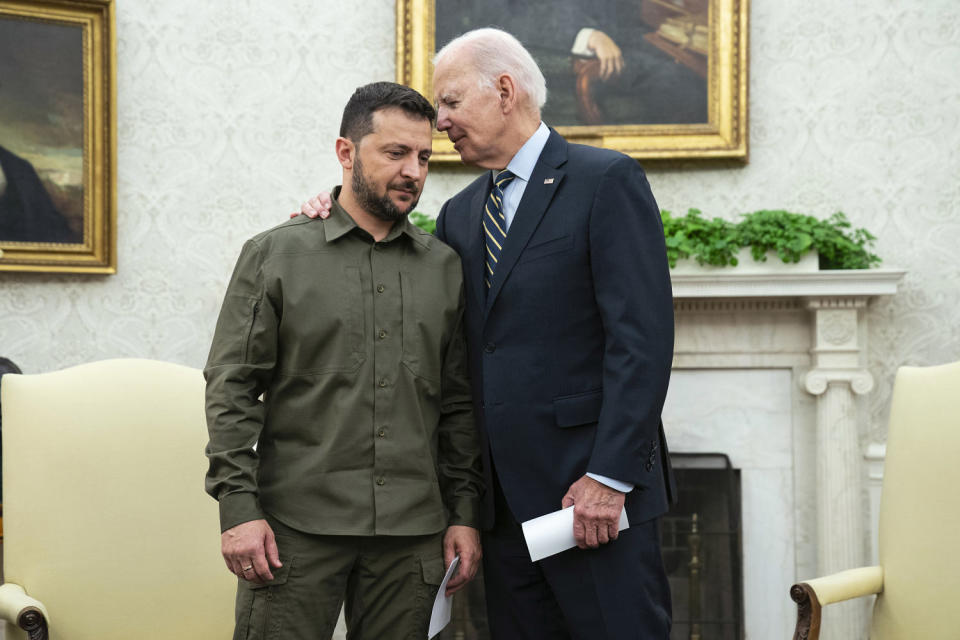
(381, 207)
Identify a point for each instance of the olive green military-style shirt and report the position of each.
(364, 426)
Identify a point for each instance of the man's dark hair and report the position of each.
(358, 114)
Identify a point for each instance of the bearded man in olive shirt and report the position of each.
(356, 476)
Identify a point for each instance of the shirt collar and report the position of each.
(526, 158)
(341, 223)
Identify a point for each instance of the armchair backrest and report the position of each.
(920, 509)
(105, 516)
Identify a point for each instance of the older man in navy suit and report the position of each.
(570, 330)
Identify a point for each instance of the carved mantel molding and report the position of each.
(818, 380)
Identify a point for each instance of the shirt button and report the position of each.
(380, 481)
(383, 334)
(490, 347)
(382, 433)
(382, 382)
(379, 288)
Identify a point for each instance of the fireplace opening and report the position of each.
(701, 545)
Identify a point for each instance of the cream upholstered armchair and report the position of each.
(108, 533)
(918, 580)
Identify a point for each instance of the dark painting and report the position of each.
(606, 62)
(41, 132)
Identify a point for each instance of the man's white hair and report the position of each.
(494, 52)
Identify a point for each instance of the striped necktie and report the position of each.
(494, 223)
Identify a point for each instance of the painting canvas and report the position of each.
(56, 149)
(651, 78)
(41, 132)
(643, 82)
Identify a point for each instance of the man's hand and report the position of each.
(247, 548)
(464, 542)
(317, 207)
(607, 52)
(596, 512)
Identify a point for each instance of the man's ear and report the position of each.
(507, 88)
(345, 150)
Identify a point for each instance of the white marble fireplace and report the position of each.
(767, 369)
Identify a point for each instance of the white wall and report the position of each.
(228, 111)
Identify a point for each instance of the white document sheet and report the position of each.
(553, 533)
(442, 605)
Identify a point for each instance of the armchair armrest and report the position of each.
(20, 609)
(812, 595)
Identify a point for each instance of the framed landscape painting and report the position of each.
(57, 136)
(650, 78)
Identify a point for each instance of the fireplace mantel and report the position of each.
(784, 284)
(810, 330)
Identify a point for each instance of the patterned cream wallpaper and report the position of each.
(228, 112)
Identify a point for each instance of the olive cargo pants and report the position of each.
(387, 582)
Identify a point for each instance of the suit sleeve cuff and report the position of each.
(622, 487)
(237, 508)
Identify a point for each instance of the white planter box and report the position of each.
(809, 263)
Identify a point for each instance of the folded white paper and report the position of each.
(553, 533)
(442, 604)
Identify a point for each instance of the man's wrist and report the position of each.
(617, 485)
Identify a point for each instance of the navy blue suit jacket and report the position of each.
(571, 347)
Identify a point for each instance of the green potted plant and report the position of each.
(829, 243)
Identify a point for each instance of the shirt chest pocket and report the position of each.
(321, 330)
(427, 321)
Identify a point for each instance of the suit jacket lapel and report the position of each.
(543, 184)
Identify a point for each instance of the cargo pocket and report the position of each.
(261, 607)
(432, 571)
(431, 575)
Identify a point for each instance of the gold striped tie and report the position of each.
(494, 223)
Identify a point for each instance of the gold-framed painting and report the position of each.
(655, 79)
(58, 150)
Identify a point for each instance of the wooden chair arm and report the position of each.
(812, 595)
(20, 609)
